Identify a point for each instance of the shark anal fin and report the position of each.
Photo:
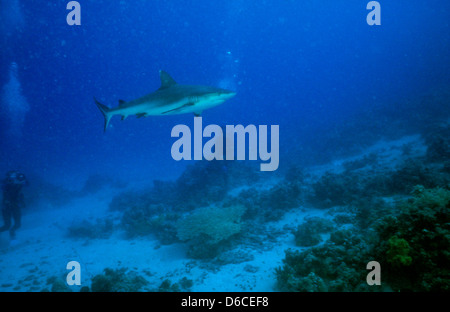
(141, 115)
(197, 114)
(178, 108)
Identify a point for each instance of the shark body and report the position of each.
(170, 99)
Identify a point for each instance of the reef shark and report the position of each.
(170, 99)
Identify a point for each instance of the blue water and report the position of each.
(332, 83)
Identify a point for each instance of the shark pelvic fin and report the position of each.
(166, 80)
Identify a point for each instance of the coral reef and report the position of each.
(167, 286)
(437, 139)
(398, 252)
(156, 210)
(413, 172)
(56, 285)
(102, 228)
(208, 228)
(97, 182)
(184, 284)
(280, 198)
(368, 210)
(309, 232)
(271, 204)
(415, 244)
(207, 182)
(334, 266)
(333, 189)
(211, 203)
(217, 223)
(150, 219)
(118, 280)
(411, 243)
(338, 189)
(201, 184)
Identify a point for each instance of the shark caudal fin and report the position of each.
(105, 111)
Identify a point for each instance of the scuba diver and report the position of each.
(13, 201)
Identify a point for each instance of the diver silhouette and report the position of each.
(13, 201)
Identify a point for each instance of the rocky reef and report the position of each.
(391, 209)
(411, 244)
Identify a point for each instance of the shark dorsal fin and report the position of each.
(166, 80)
(121, 102)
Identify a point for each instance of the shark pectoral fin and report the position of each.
(178, 108)
(198, 114)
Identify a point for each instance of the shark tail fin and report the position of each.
(105, 111)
